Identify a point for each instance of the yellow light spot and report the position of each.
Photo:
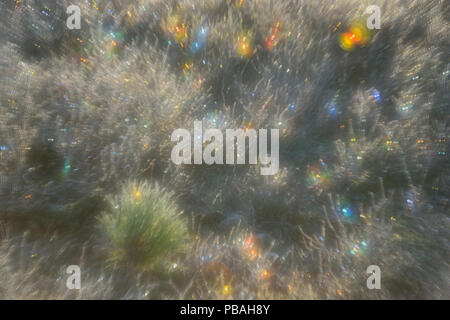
(245, 47)
(226, 289)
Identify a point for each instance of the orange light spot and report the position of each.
(346, 41)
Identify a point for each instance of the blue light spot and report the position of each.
(332, 109)
(200, 40)
(376, 95)
(347, 212)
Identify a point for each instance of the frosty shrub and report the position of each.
(143, 228)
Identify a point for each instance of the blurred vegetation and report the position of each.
(364, 173)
